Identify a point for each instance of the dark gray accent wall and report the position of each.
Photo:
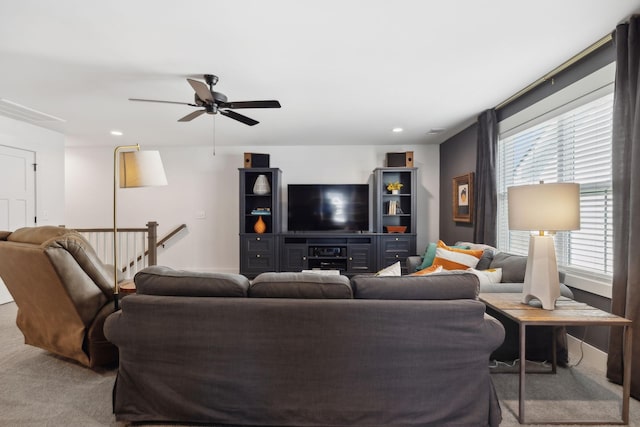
(595, 336)
(457, 157)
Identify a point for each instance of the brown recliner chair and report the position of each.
(62, 290)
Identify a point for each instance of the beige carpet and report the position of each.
(573, 394)
(40, 389)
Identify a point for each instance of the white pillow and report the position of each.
(392, 270)
(486, 277)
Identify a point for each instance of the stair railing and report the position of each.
(152, 254)
(137, 247)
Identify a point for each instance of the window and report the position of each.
(573, 145)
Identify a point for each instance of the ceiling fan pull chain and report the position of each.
(214, 136)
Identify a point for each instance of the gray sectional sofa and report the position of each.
(539, 338)
(301, 349)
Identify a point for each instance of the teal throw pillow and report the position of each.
(429, 256)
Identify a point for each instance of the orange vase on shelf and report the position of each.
(260, 227)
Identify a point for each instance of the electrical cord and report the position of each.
(494, 364)
(584, 335)
(498, 364)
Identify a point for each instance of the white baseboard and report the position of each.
(593, 357)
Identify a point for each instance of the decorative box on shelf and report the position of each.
(261, 211)
(396, 228)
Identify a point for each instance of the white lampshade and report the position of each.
(544, 207)
(141, 169)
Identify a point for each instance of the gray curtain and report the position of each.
(626, 199)
(485, 211)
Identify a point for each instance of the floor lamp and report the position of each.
(132, 169)
(543, 207)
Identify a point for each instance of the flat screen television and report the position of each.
(328, 207)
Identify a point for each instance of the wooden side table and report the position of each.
(127, 287)
(567, 313)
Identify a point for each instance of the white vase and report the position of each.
(395, 191)
(262, 185)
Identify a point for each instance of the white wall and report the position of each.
(49, 153)
(49, 148)
(74, 187)
(201, 182)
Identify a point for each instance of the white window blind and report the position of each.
(574, 146)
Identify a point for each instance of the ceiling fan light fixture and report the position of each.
(397, 130)
(212, 102)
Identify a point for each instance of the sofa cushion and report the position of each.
(437, 286)
(513, 266)
(451, 258)
(4, 235)
(300, 285)
(485, 260)
(160, 280)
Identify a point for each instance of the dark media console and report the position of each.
(350, 252)
(328, 251)
(328, 258)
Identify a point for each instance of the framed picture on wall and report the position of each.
(463, 198)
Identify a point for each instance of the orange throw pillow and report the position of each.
(456, 259)
(435, 268)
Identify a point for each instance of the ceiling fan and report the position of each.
(216, 102)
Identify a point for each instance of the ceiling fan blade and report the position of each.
(201, 89)
(252, 104)
(164, 102)
(192, 115)
(239, 117)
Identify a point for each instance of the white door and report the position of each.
(17, 194)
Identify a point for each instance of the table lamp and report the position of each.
(132, 169)
(543, 207)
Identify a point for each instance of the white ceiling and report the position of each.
(345, 71)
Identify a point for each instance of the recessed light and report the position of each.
(435, 131)
(397, 130)
(116, 133)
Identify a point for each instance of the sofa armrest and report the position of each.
(413, 262)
